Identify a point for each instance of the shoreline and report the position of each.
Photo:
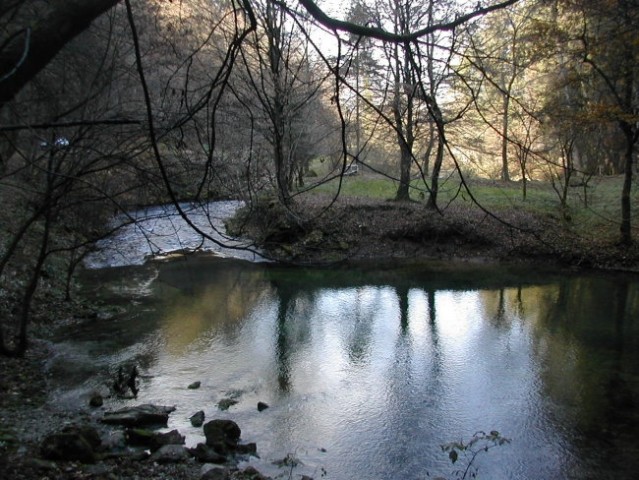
(360, 230)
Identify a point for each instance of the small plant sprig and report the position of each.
(480, 442)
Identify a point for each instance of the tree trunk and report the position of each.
(439, 159)
(27, 54)
(48, 203)
(403, 191)
(281, 170)
(404, 148)
(429, 149)
(505, 175)
(626, 223)
(524, 180)
(434, 184)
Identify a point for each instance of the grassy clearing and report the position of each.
(592, 211)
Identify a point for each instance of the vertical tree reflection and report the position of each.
(402, 296)
(432, 313)
(358, 345)
(283, 346)
(434, 335)
(618, 392)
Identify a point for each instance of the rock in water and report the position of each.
(96, 400)
(125, 382)
(153, 440)
(226, 403)
(205, 454)
(195, 385)
(197, 419)
(216, 473)
(170, 454)
(261, 406)
(140, 416)
(247, 449)
(222, 435)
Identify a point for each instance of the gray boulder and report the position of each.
(246, 449)
(222, 435)
(206, 454)
(153, 440)
(141, 416)
(170, 454)
(216, 473)
(197, 419)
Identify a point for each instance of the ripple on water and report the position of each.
(368, 382)
(161, 230)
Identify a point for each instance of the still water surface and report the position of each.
(368, 371)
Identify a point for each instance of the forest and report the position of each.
(436, 205)
(107, 105)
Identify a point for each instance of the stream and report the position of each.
(368, 371)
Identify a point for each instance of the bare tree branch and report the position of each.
(379, 33)
(79, 123)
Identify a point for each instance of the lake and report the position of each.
(367, 371)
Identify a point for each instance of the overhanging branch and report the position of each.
(80, 123)
(379, 33)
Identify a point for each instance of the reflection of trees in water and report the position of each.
(583, 338)
(293, 328)
(414, 377)
(206, 302)
(503, 305)
(402, 296)
(587, 343)
(283, 344)
(622, 406)
(360, 336)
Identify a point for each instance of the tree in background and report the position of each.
(595, 95)
(104, 137)
(503, 56)
(74, 159)
(282, 90)
(405, 103)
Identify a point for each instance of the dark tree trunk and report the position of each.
(434, 183)
(27, 54)
(403, 193)
(505, 174)
(626, 223)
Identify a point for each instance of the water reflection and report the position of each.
(368, 371)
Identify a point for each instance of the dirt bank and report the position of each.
(354, 229)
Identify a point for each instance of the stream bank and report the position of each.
(357, 229)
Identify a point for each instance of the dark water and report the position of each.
(368, 371)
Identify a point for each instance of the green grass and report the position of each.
(360, 186)
(599, 218)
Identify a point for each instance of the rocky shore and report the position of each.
(39, 440)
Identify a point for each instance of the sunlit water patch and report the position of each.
(161, 230)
